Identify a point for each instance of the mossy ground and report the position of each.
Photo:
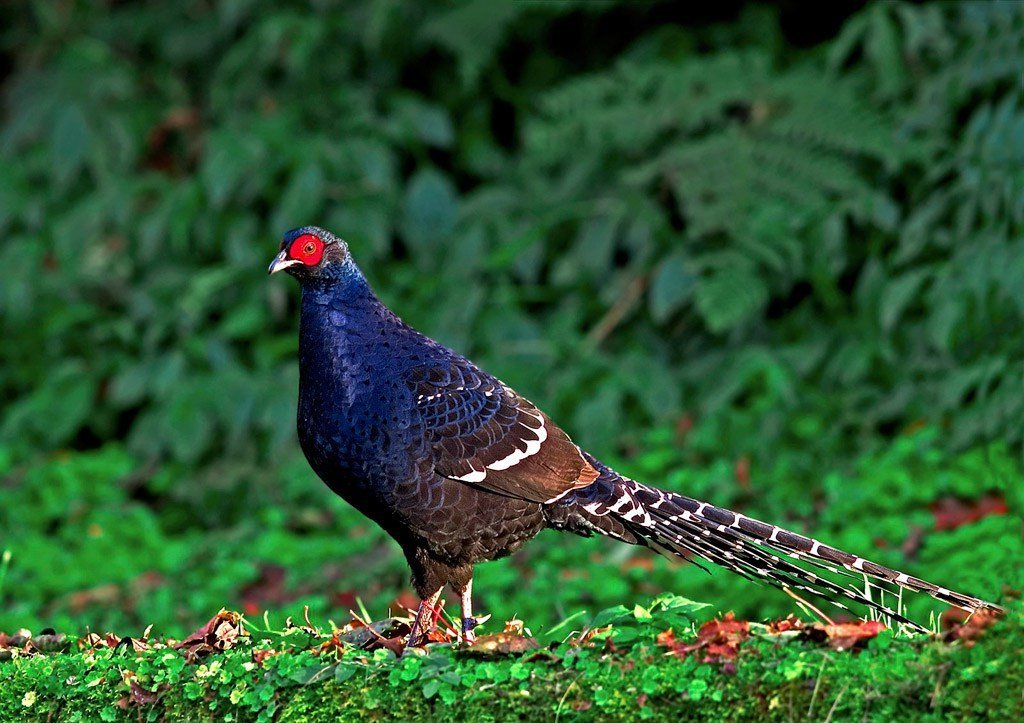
(777, 677)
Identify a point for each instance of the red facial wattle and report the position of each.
(307, 248)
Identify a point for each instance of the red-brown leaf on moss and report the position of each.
(787, 624)
(111, 640)
(504, 643)
(666, 638)
(221, 632)
(24, 643)
(390, 633)
(718, 640)
(585, 638)
(844, 636)
(139, 696)
(260, 656)
(967, 628)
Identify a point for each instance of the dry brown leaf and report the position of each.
(717, 641)
(787, 624)
(844, 636)
(389, 633)
(139, 696)
(221, 632)
(504, 643)
(967, 629)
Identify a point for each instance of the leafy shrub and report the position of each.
(737, 266)
(811, 217)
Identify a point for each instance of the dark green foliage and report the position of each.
(844, 221)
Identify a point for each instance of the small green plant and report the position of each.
(624, 665)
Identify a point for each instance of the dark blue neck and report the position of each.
(336, 306)
(335, 311)
(346, 338)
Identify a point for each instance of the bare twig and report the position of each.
(817, 685)
(943, 669)
(835, 704)
(618, 311)
(808, 606)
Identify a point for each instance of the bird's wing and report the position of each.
(482, 433)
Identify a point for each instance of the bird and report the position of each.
(460, 469)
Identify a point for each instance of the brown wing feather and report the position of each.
(483, 433)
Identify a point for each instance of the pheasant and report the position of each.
(460, 469)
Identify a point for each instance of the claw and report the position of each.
(468, 624)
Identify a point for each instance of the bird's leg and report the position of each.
(468, 621)
(426, 617)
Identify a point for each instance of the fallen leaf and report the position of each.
(666, 638)
(260, 656)
(389, 633)
(505, 643)
(134, 643)
(844, 636)
(968, 629)
(717, 640)
(220, 633)
(950, 512)
(587, 635)
(786, 625)
(50, 642)
(141, 696)
(515, 627)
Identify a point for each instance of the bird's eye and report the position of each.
(308, 249)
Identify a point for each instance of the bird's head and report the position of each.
(311, 254)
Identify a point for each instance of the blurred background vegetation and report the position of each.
(769, 255)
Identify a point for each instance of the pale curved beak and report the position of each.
(282, 262)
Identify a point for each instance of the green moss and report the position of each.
(773, 679)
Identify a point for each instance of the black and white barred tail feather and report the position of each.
(680, 525)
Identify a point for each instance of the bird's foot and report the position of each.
(425, 621)
(468, 624)
(418, 638)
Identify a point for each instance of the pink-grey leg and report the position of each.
(468, 621)
(426, 616)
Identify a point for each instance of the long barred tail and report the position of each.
(678, 525)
